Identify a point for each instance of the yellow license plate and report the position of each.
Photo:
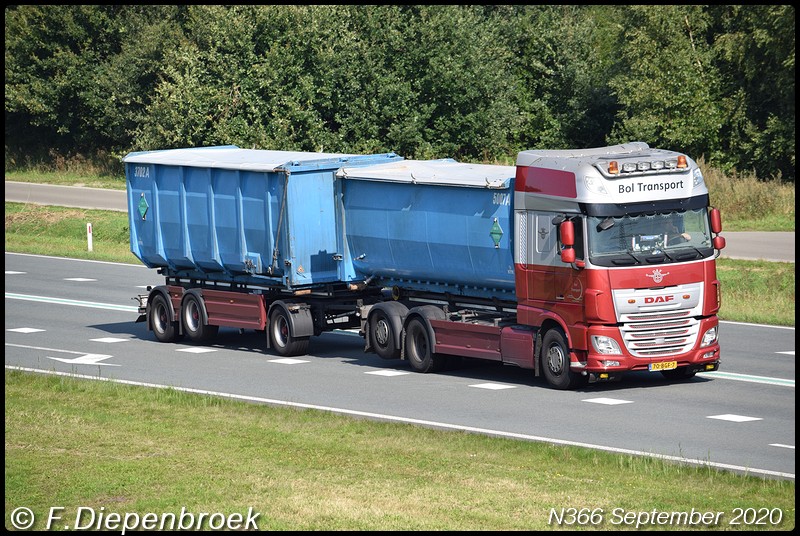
(666, 365)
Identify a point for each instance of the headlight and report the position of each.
(698, 178)
(709, 337)
(605, 345)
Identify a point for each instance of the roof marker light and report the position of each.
(682, 161)
(613, 167)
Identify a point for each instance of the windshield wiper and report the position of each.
(687, 255)
(658, 258)
(626, 262)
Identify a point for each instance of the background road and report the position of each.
(776, 246)
(78, 316)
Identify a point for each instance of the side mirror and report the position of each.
(716, 221)
(567, 229)
(719, 242)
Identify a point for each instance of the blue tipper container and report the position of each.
(436, 225)
(237, 215)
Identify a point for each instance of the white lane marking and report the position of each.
(87, 359)
(45, 349)
(25, 330)
(493, 386)
(79, 279)
(420, 422)
(388, 372)
(109, 339)
(781, 446)
(287, 361)
(755, 325)
(12, 272)
(786, 353)
(75, 303)
(196, 350)
(608, 401)
(129, 265)
(746, 378)
(734, 418)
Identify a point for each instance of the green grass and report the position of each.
(748, 204)
(61, 232)
(760, 292)
(75, 443)
(67, 178)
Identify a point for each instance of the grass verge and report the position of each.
(78, 443)
(61, 232)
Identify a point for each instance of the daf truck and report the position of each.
(580, 265)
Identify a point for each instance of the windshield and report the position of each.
(649, 238)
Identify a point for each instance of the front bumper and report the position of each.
(601, 367)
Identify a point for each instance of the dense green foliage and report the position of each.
(477, 83)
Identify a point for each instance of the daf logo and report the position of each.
(657, 276)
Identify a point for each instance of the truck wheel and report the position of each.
(382, 336)
(193, 325)
(555, 361)
(280, 334)
(680, 373)
(419, 349)
(161, 320)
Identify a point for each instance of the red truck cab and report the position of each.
(615, 262)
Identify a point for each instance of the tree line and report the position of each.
(476, 83)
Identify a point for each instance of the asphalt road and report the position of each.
(776, 246)
(69, 316)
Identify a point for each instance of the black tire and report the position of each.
(164, 328)
(192, 318)
(419, 350)
(680, 373)
(281, 337)
(382, 336)
(555, 361)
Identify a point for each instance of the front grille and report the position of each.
(659, 334)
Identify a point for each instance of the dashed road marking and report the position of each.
(288, 361)
(388, 372)
(493, 386)
(87, 359)
(608, 401)
(735, 418)
(196, 350)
